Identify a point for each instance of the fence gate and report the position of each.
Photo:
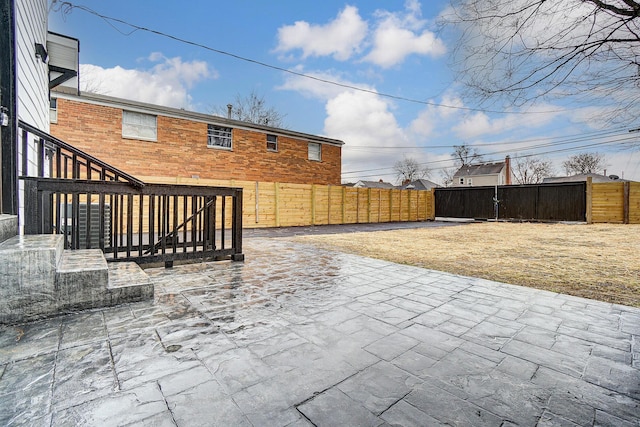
(545, 202)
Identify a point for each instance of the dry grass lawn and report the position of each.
(592, 261)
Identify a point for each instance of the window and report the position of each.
(272, 143)
(461, 181)
(315, 152)
(53, 110)
(469, 181)
(139, 126)
(219, 137)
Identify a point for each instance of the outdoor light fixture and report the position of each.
(41, 52)
(4, 117)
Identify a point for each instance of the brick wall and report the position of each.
(181, 149)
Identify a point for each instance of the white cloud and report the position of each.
(166, 83)
(341, 37)
(316, 87)
(478, 124)
(434, 117)
(398, 35)
(362, 119)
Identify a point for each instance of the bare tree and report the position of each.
(531, 170)
(447, 176)
(523, 50)
(252, 108)
(584, 163)
(408, 169)
(464, 155)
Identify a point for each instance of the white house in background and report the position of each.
(483, 174)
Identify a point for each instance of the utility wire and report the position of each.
(67, 7)
(567, 138)
(450, 162)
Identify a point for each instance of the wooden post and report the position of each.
(277, 202)
(589, 212)
(625, 201)
(257, 204)
(344, 203)
(369, 205)
(357, 206)
(328, 204)
(379, 204)
(390, 205)
(313, 204)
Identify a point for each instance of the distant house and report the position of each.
(419, 184)
(596, 178)
(156, 141)
(373, 184)
(483, 174)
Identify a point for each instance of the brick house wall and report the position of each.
(93, 124)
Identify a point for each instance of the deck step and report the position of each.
(8, 227)
(128, 283)
(27, 276)
(81, 279)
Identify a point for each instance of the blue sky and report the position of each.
(385, 47)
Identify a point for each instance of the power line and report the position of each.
(623, 140)
(67, 7)
(568, 138)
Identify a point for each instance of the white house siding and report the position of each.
(481, 180)
(33, 77)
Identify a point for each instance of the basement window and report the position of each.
(315, 152)
(219, 137)
(139, 126)
(272, 143)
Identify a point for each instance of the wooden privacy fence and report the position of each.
(613, 202)
(269, 204)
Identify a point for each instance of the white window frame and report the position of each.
(272, 145)
(137, 125)
(314, 151)
(461, 181)
(219, 137)
(53, 110)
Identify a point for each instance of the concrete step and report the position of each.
(82, 277)
(85, 280)
(8, 227)
(27, 276)
(38, 279)
(128, 283)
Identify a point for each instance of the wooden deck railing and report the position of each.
(95, 205)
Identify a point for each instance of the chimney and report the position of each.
(507, 163)
(229, 109)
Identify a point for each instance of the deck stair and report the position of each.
(39, 278)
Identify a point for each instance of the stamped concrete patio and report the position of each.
(298, 336)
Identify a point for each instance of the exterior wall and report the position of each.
(181, 149)
(33, 79)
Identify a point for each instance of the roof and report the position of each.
(373, 184)
(142, 107)
(583, 177)
(420, 184)
(480, 169)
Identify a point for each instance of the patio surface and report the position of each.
(302, 336)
